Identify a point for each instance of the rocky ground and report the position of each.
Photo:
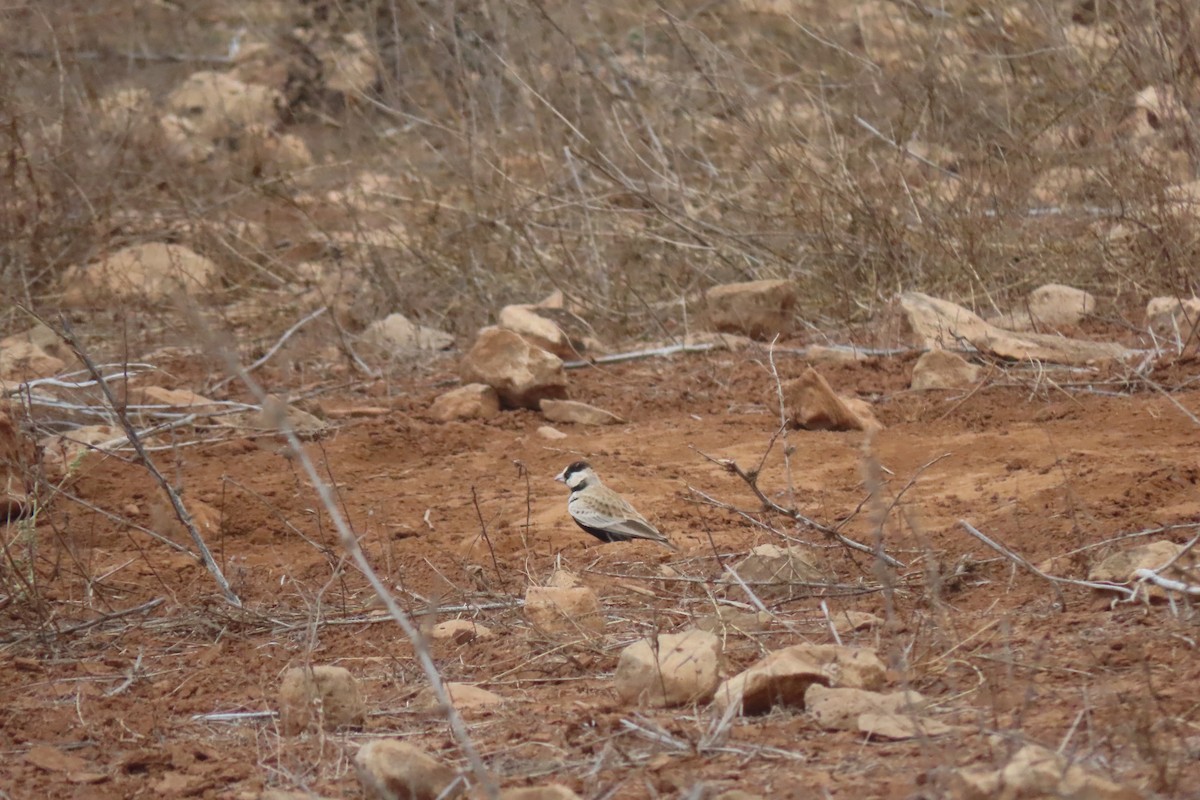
(305, 297)
(122, 673)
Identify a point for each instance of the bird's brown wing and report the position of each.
(615, 516)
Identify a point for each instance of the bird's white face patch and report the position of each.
(576, 476)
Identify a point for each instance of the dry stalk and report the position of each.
(1054, 580)
(181, 512)
(751, 480)
(350, 543)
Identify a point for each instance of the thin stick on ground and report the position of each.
(1054, 580)
(275, 347)
(350, 542)
(729, 465)
(135, 441)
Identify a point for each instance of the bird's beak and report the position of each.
(559, 477)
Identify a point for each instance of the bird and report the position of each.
(602, 512)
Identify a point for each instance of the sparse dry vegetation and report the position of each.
(317, 165)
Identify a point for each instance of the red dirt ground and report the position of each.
(1047, 469)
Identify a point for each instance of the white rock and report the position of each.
(521, 373)
(942, 369)
(1035, 772)
(556, 610)
(940, 323)
(898, 727)
(1122, 566)
(63, 453)
(397, 334)
(551, 433)
(759, 309)
(473, 401)
(218, 106)
(564, 579)
(22, 361)
(779, 679)
(463, 696)
(811, 403)
(1168, 316)
(575, 412)
(770, 569)
(855, 667)
(153, 271)
(350, 65)
(681, 668)
(546, 334)
(460, 631)
(839, 709)
(322, 694)
(1057, 305)
(390, 769)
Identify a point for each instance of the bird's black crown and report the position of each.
(578, 466)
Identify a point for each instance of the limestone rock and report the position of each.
(149, 272)
(759, 309)
(898, 727)
(680, 669)
(522, 374)
(553, 791)
(322, 694)
(1122, 566)
(554, 610)
(779, 679)
(460, 631)
(44, 338)
(564, 579)
(551, 433)
(1167, 316)
(473, 401)
(855, 667)
(263, 152)
(572, 411)
(811, 403)
(23, 361)
(537, 329)
(463, 696)
(397, 334)
(1052, 305)
(942, 369)
(839, 709)
(219, 106)
(1035, 772)
(62, 453)
(390, 769)
(771, 570)
(349, 64)
(940, 323)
